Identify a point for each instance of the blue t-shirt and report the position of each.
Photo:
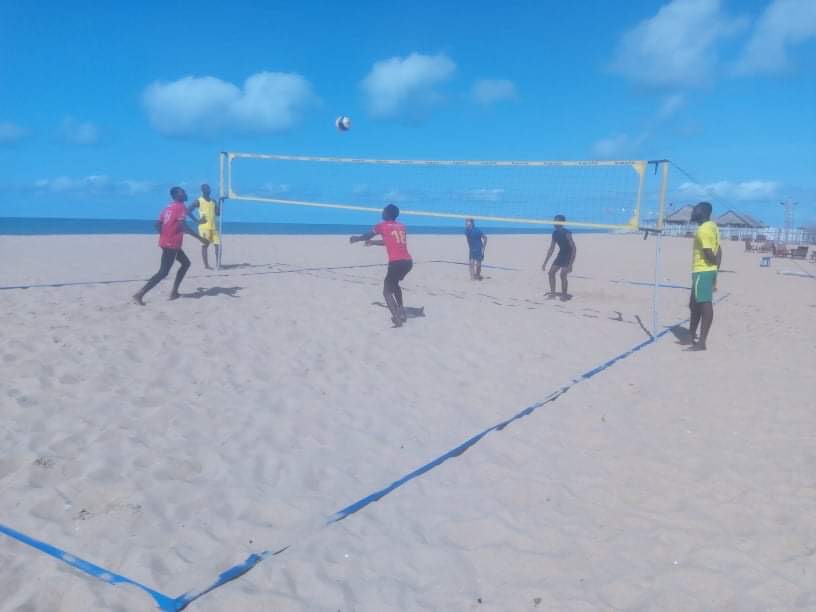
(474, 238)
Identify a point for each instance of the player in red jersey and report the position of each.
(171, 228)
(394, 239)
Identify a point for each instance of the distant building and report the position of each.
(733, 218)
(681, 216)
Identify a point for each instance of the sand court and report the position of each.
(169, 442)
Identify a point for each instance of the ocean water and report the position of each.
(45, 226)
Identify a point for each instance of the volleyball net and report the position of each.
(591, 194)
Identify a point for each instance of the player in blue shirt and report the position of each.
(564, 260)
(477, 242)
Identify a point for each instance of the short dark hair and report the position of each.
(559, 218)
(706, 206)
(390, 212)
(174, 191)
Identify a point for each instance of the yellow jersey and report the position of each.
(706, 237)
(206, 210)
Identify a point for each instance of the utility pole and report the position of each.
(790, 218)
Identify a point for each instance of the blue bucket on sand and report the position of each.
(765, 262)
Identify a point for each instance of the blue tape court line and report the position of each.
(199, 276)
(648, 284)
(170, 604)
(466, 263)
(162, 601)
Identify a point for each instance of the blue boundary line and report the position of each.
(198, 276)
(648, 284)
(170, 604)
(297, 270)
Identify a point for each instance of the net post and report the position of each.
(221, 190)
(664, 182)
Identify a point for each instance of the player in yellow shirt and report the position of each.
(706, 259)
(208, 212)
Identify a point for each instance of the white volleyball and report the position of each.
(343, 123)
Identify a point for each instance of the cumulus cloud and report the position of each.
(94, 184)
(78, 132)
(745, 191)
(11, 133)
(617, 146)
(406, 87)
(678, 46)
(489, 91)
(275, 189)
(784, 23)
(485, 194)
(670, 105)
(203, 106)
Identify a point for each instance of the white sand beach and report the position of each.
(168, 442)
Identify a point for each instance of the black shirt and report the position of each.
(561, 236)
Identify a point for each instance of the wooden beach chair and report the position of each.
(781, 250)
(799, 252)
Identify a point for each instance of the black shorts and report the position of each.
(563, 259)
(397, 270)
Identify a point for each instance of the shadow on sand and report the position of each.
(410, 311)
(201, 292)
(682, 335)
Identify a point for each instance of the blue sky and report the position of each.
(102, 107)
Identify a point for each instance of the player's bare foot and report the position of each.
(208, 267)
(175, 295)
(697, 346)
(550, 295)
(397, 321)
(137, 297)
(566, 297)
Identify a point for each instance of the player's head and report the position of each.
(559, 219)
(178, 194)
(390, 212)
(701, 212)
(205, 190)
(469, 223)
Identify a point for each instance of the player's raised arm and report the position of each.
(362, 237)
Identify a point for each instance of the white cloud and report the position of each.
(95, 184)
(490, 91)
(405, 87)
(78, 132)
(275, 189)
(485, 194)
(745, 191)
(670, 105)
(612, 147)
(783, 23)
(11, 133)
(678, 46)
(203, 106)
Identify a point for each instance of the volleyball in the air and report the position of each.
(343, 123)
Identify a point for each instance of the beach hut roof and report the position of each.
(681, 215)
(733, 218)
